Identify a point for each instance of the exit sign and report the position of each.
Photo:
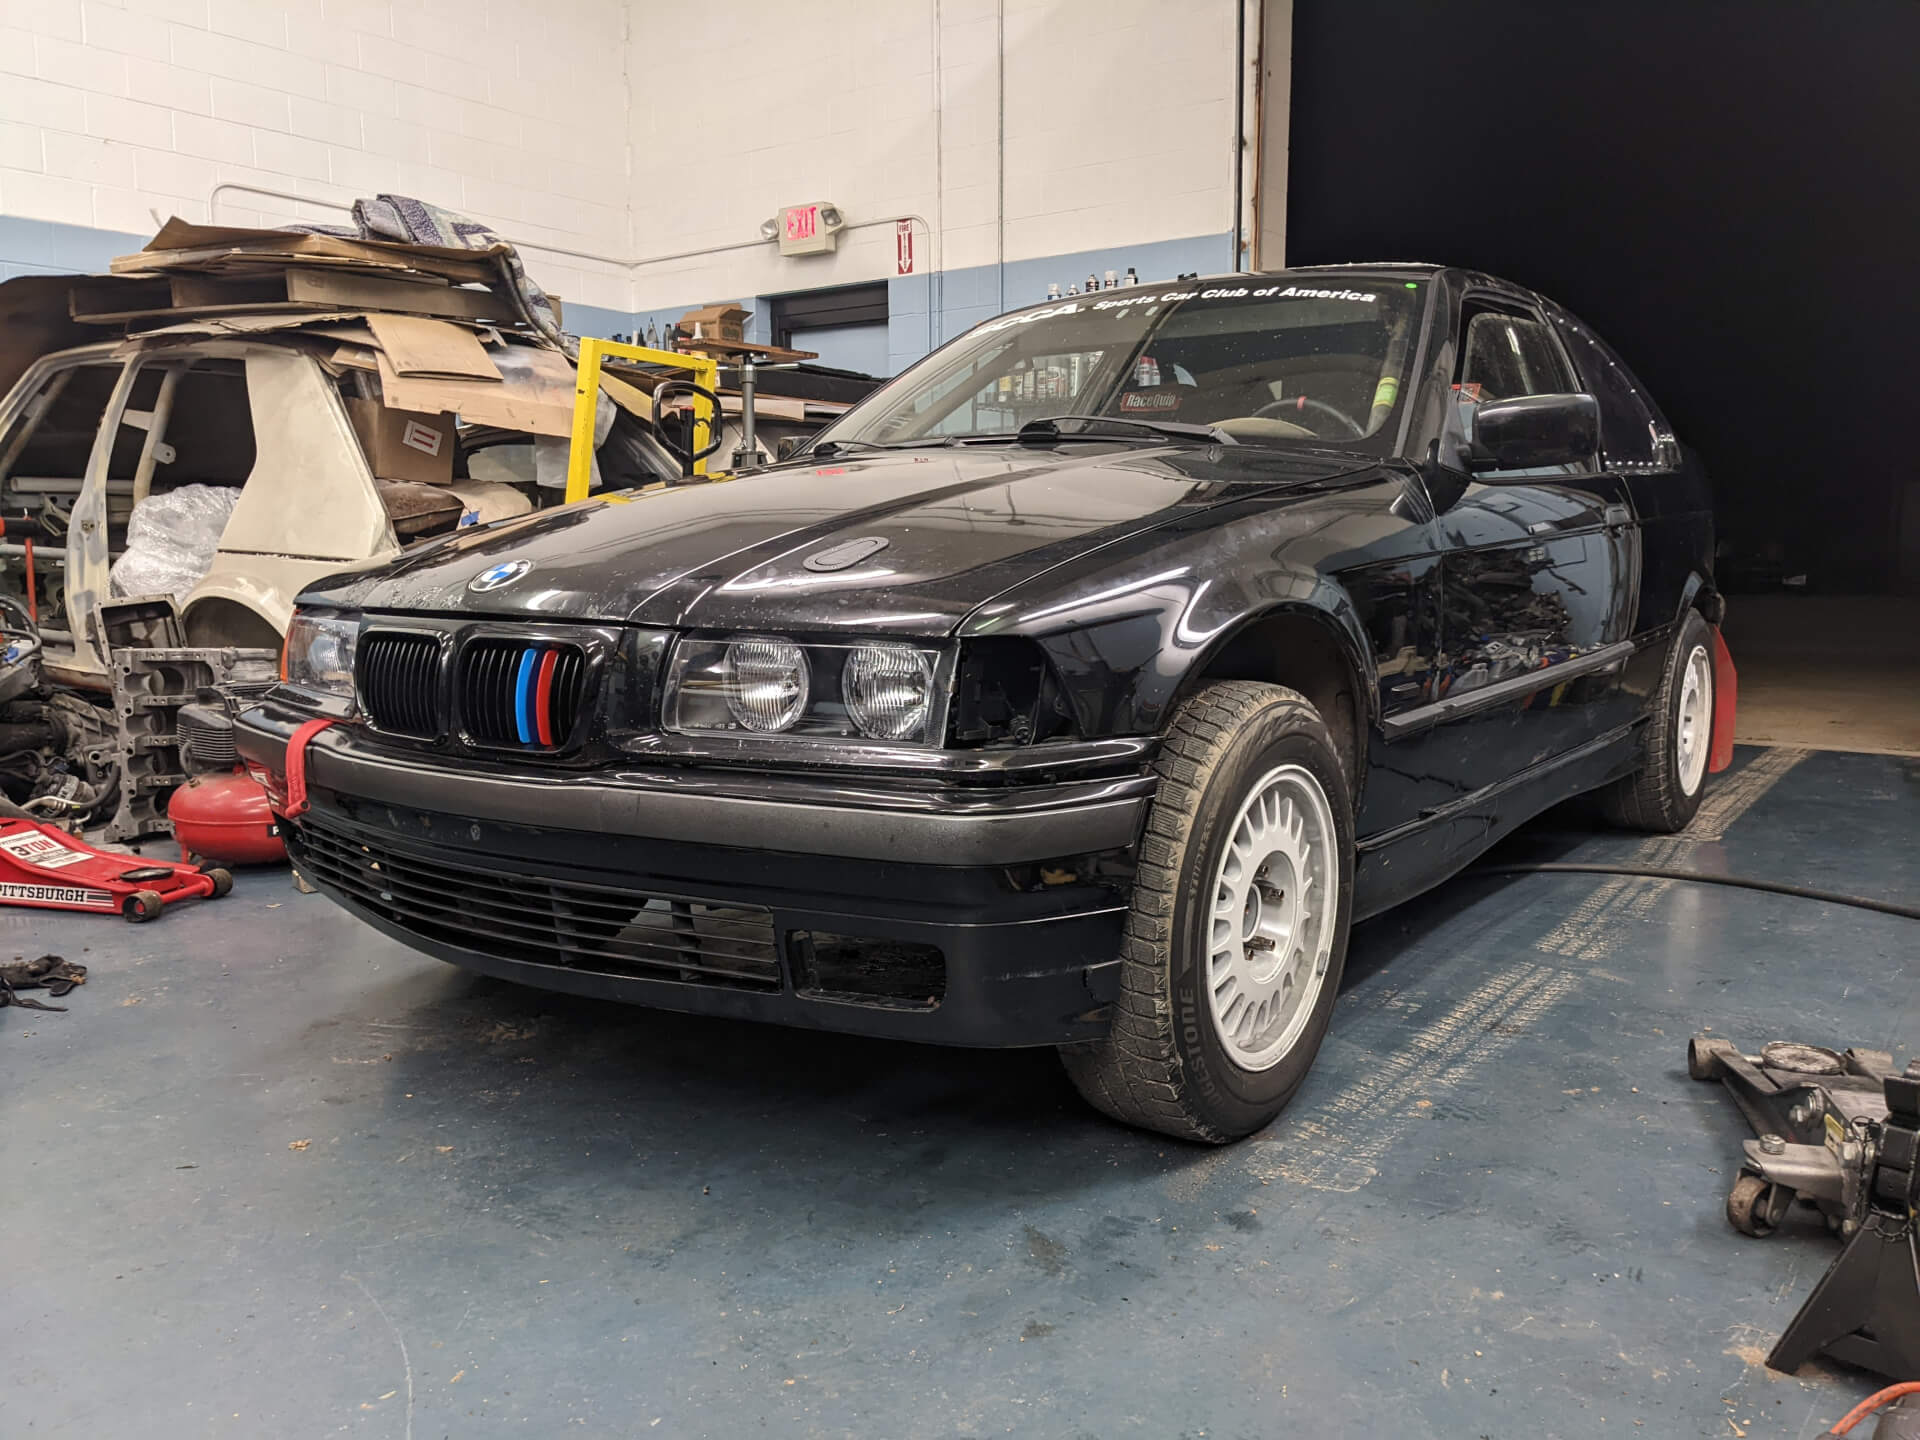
(809, 229)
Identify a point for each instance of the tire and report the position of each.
(222, 881)
(1666, 792)
(1176, 1062)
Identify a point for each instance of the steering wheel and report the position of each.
(1305, 402)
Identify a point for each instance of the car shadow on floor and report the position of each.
(566, 1095)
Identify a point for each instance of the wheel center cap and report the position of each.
(1267, 920)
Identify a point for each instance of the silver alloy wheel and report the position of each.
(1270, 928)
(1693, 720)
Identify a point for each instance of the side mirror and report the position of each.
(1530, 431)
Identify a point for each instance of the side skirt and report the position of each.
(1395, 865)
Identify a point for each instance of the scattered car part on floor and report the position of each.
(1332, 576)
(1840, 1131)
(47, 868)
(53, 973)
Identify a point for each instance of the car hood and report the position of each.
(905, 543)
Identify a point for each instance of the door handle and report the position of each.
(1618, 516)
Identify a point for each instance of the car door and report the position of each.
(1539, 576)
(1639, 450)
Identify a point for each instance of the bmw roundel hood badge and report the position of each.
(494, 576)
(846, 553)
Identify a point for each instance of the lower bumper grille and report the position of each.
(598, 928)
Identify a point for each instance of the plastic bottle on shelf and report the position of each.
(1111, 281)
(1131, 278)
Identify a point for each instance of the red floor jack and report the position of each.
(46, 867)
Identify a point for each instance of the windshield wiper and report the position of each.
(826, 449)
(1048, 429)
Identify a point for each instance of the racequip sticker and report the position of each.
(1136, 401)
(56, 895)
(41, 850)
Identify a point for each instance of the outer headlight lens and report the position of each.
(320, 646)
(889, 691)
(767, 683)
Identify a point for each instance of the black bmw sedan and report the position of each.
(1080, 687)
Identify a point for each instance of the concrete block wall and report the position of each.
(1118, 125)
(114, 110)
(641, 128)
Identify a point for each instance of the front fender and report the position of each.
(1132, 650)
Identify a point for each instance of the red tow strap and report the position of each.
(297, 802)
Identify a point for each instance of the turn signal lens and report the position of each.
(888, 690)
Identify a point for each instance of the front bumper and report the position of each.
(512, 871)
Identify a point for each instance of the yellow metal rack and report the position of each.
(586, 391)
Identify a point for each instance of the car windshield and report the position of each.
(1267, 359)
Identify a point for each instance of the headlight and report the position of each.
(766, 683)
(320, 651)
(770, 685)
(889, 691)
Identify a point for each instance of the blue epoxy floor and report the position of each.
(273, 1175)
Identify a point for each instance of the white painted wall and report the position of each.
(1118, 123)
(634, 128)
(112, 108)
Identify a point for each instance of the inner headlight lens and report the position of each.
(767, 683)
(320, 648)
(889, 691)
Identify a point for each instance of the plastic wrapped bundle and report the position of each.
(171, 539)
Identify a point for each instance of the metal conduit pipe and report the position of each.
(241, 187)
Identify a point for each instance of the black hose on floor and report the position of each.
(1655, 872)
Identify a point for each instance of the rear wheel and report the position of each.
(1238, 927)
(1666, 792)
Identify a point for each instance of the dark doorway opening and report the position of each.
(1723, 188)
(846, 326)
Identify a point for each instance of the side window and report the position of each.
(1503, 357)
(1506, 355)
(54, 434)
(1633, 434)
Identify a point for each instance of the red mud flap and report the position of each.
(1726, 701)
(297, 802)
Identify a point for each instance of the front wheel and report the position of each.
(1237, 932)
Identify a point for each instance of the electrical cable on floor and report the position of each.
(1872, 1403)
(1656, 872)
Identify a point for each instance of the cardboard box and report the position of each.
(715, 322)
(404, 444)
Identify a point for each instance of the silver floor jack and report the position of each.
(1841, 1132)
